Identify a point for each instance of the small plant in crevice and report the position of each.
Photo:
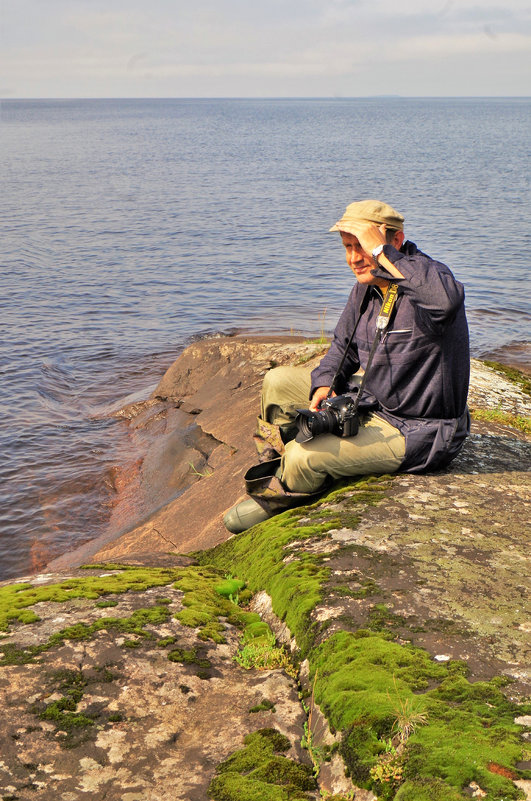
(389, 767)
(409, 716)
(322, 339)
(262, 653)
(318, 753)
(230, 589)
(197, 472)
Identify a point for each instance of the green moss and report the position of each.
(504, 418)
(230, 588)
(72, 728)
(471, 726)
(368, 587)
(165, 641)
(427, 790)
(13, 655)
(62, 712)
(514, 375)
(205, 605)
(255, 630)
(260, 772)
(380, 619)
(264, 706)
(82, 631)
(15, 599)
(259, 556)
(371, 689)
(190, 656)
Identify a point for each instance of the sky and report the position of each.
(272, 48)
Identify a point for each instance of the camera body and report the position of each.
(338, 416)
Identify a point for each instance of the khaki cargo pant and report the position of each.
(377, 448)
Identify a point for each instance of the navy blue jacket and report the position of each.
(418, 380)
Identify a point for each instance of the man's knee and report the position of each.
(285, 388)
(299, 471)
(275, 379)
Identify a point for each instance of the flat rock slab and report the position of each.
(159, 727)
(201, 418)
(442, 561)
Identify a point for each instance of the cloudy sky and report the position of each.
(274, 48)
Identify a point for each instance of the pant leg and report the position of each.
(284, 390)
(377, 448)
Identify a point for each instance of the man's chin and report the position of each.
(365, 277)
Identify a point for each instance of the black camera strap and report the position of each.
(363, 308)
(382, 321)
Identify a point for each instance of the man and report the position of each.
(409, 311)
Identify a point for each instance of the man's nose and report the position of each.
(356, 256)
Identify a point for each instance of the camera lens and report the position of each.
(322, 422)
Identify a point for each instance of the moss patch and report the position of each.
(373, 690)
(134, 624)
(261, 772)
(294, 579)
(16, 599)
(72, 727)
(264, 706)
(513, 374)
(258, 556)
(504, 418)
(205, 605)
(230, 588)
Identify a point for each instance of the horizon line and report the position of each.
(269, 97)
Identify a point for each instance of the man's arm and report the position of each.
(430, 284)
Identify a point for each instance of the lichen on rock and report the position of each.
(407, 595)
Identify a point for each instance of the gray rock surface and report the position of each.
(447, 553)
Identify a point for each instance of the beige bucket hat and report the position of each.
(369, 211)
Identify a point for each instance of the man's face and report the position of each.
(360, 263)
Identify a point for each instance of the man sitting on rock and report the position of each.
(404, 325)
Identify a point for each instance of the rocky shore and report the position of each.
(372, 645)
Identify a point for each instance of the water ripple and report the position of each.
(130, 227)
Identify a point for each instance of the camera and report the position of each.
(337, 416)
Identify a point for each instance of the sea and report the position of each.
(130, 228)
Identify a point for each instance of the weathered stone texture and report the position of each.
(446, 554)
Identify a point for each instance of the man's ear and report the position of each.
(397, 240)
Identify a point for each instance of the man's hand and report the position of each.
(369, 235)
(318, 396)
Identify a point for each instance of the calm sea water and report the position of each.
(130, 226)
